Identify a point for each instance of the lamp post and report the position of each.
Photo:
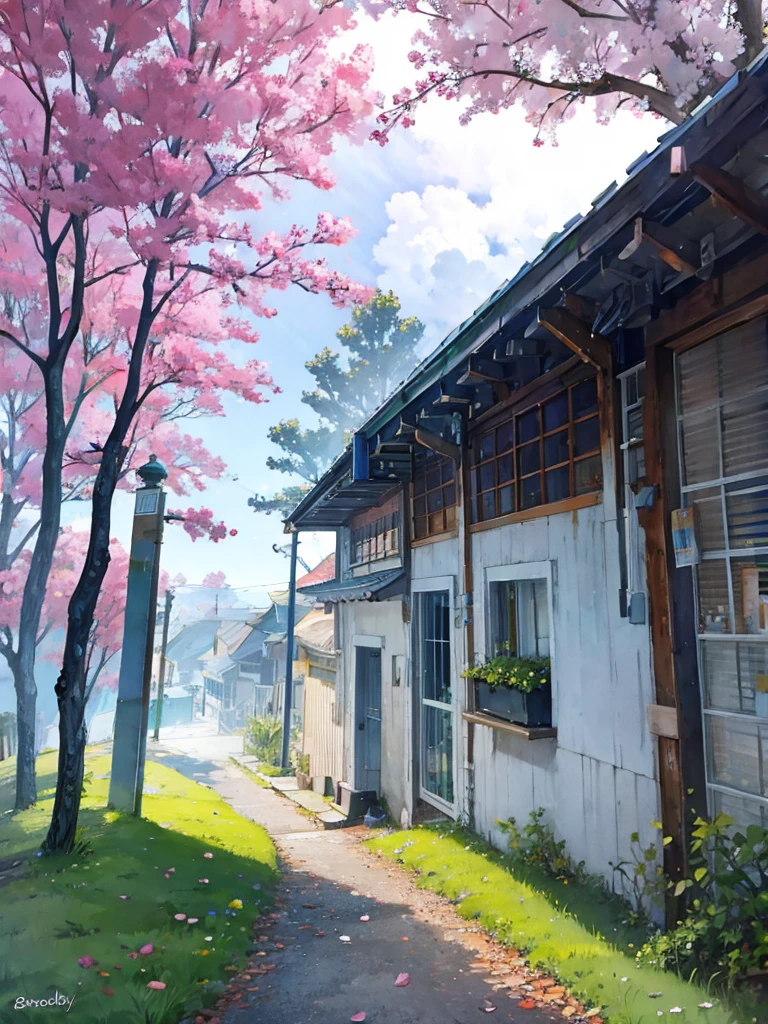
(285, 758)
(132, 712)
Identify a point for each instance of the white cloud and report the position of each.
(449, 246)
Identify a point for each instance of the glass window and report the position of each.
(520, 618)
(435, 498)
(376, 540)
(723, 422)
(552, 450)
(433, 624)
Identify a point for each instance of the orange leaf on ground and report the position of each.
(526, 1004)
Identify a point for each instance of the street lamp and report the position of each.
(132, 712)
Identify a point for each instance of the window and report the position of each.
(723, 423)
(519, 622)
(433, 671)
(434, 496)
(376, 540)
(632, 395)
(540, 455)
(633, 452)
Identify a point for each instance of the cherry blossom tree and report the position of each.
(193, 385)
(549, 56)
(137, 140)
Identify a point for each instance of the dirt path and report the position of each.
(304, 972)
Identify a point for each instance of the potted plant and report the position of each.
(516, 689)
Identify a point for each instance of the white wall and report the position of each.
(596, 780)
(383, 620)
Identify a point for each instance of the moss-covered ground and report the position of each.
(173, 880)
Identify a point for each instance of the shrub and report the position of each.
(264, 737)
(724, 933)
(535, 844)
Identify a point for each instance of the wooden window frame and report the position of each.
(511, 414)
(448, 513)
(381, 536)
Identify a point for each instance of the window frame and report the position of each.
(517, 573)
(512, 415)
(420, 587)
(372, 535)
(734, 557)
(428, 464)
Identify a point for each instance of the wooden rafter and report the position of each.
(577, 336)
(676, 252)
(736, 196)
(437, 444)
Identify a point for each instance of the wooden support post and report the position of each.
(732, 193)
(577, 336)
(672, 623)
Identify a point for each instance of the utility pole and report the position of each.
(161, 681)
(288, 687)
(132, 713)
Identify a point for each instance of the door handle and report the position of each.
(361, 726)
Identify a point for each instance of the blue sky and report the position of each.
(444, 214)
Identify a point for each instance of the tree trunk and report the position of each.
(35, 587)
(71, 686)
(69, 783)
(26, 695)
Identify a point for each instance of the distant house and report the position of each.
(578, 474)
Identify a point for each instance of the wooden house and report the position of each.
(579, 471)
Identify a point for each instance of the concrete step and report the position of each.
(283, 783)
(308, 800)
(333, 819)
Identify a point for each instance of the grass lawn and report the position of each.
(565, 929)
(121, 892)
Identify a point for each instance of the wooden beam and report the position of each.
(676, 252)
(672, 624)
(720, 296)
(732, 193)
(437, 444)
(482, 369)
(577, 336)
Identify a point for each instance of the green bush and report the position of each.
(264, 737)
(724, 933)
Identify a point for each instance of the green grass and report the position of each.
(251, 775)
(66, 907)
(556, 927)
(274, 771)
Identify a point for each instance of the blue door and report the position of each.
(368, 718)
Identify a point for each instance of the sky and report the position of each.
(444, 215)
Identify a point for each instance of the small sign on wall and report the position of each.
(684, 537)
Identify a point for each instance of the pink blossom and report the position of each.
(157, 986)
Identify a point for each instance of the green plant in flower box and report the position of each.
(512, 673)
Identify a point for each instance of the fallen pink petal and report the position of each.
(86, 961)
(208, 856)
(192, 920)
(402, 980)
(365, 917)
(358, 1016)
(180, 917)
(158, 986)
(146, 950)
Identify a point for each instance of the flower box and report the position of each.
(532, 709)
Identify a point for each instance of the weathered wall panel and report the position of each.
(597, 780)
